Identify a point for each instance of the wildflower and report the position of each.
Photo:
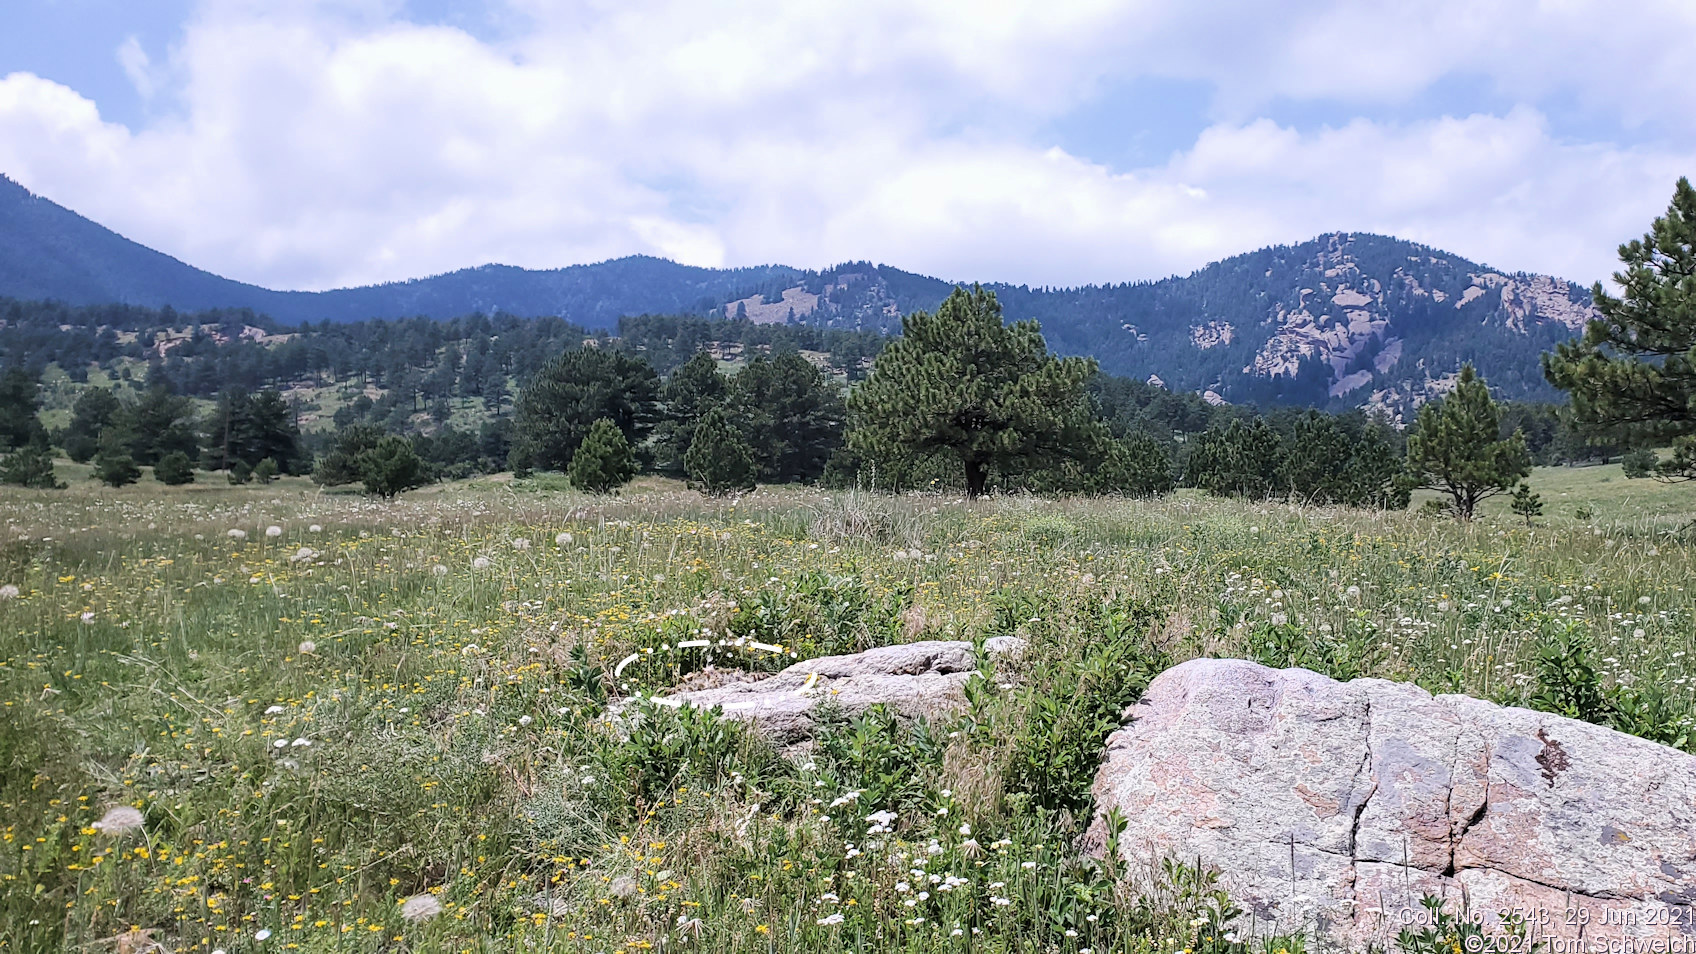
(525, 720)
(1643, 601)
(748, 905)
(440, 570)
(832, 919)
(262, 934)
(315, 528)
(302, 555)
(280, 744)
(88, 617)
(420, 907)
(119, 819)
(1353, 592)
(1279, 619)
(624, 886)
(273, 531)
(307, 647)
(9, 591)
(689, 927)
(563, 539)
(481, 563)
(970, 848)
(236, 534)
(522, 543)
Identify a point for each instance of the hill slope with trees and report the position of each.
(1343, 320)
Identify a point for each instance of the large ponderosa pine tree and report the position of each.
(1633, 373)
(961, 381)
(1455, 447)
(573, 391)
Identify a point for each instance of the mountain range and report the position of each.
(1345, 319)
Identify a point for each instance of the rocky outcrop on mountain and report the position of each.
(1339, 806)
(913, 679)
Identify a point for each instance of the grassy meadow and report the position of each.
(266, 718)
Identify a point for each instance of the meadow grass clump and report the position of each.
(385, 725)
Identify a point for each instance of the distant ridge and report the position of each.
(48, 251)
(1344, 319)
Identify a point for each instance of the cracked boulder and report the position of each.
(1336, 807)
(912, 679)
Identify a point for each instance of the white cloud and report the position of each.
(313, 144)
(137, 67)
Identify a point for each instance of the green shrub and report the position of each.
(1566, 679)
(113, 464)
(265, 471)
(719, 462)
(30, 466)
(603, 462)
(1639, 463)
(174, 469)
(1073, 703)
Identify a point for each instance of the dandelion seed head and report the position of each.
(420, 907)
(307, 647)
(119, 819)
(9, 591)
(273, 531)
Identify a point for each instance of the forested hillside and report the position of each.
(1344, 320)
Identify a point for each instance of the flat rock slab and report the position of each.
(1339, 806)
(914, 679)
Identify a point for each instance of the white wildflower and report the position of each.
(308, 647)
(315, 528)
(439, 570)
(481, 563)
(563, 539)
(420, 907)
(9, 591)
(119, 819)
(522, 543)
(238, 534)
(273, 531)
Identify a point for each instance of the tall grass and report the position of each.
(410, 700)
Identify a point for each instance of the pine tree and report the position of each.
(1240, 459)
(573, 391)
(340, 465)
(113, 464)
(1526, 502)
(1455, 447)
(174, 469)
(1639, 463)
(20, 400)
(603, 462)
(959, 380)
(693, 389)
(1632, 375)
(266, 470)
(94, 410)
(391, 467)
(30, 466)
(719, 461)
(240, 473)
(789, 413)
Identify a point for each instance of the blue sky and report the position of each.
(317, 143)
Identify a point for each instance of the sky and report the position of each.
(322, 143)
